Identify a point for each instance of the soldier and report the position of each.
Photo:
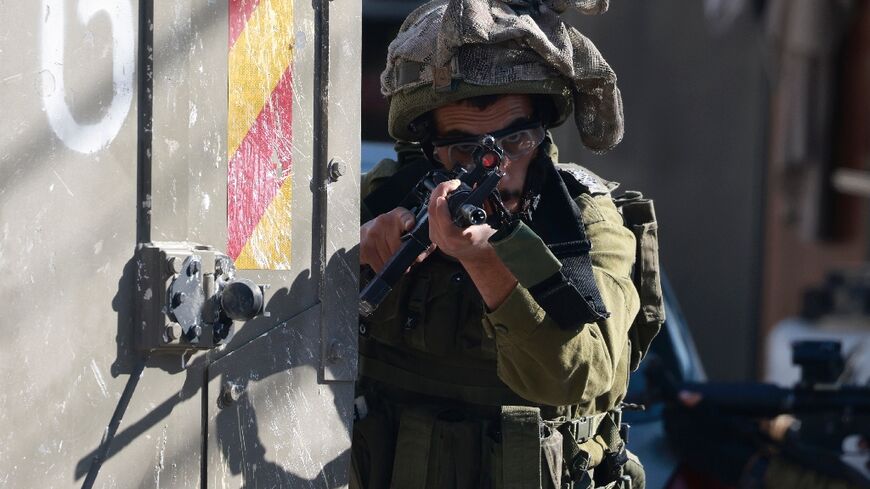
(502, 356)
(739, 450)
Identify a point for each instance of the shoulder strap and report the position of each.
(579, 180)
(570, 296)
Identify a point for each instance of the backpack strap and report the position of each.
(640, 217)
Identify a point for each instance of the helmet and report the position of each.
(449, 50)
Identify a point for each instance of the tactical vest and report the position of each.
(424, 350)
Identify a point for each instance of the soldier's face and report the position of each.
(462, 119)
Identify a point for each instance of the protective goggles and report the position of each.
(515, 141)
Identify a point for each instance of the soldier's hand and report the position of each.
(380, 238)
(462, 244)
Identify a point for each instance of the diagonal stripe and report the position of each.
(261, 54)
(269, 244)
(240, 12)
(257, 170)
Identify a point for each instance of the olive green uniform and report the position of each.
(462, 397)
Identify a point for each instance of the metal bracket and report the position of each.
(188, 296)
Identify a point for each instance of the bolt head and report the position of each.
(334, 354)
(336, 169)
(230, 393)
(172, 331)
(173, 265)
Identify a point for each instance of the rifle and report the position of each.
(465, 205)
(830, 416)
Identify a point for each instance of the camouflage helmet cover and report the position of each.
(448, 50)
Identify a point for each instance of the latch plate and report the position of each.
(178, 297)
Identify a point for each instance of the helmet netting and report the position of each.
(499, 42)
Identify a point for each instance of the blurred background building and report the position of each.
(741, 116)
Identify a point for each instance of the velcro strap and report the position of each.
(525, 255)
(408, 72)
(571, 298)
(521, 447)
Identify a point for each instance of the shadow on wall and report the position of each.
(237, 425)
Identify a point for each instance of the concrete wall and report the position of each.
(696, 118)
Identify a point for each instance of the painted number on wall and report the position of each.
(87, 138)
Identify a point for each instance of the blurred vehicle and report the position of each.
(673, 349)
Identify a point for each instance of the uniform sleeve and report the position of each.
(547, 364)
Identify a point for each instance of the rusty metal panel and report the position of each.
(270, 422)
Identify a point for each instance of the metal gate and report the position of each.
(153, 156)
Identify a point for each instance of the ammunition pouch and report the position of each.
(436, 444)
(640, 218)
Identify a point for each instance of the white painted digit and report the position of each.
(87, 138)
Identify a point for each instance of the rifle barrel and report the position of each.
(767, 400)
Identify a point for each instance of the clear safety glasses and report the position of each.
(515, 141)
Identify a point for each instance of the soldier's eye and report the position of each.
(466, 148)
(514, 138)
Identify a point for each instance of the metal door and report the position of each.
(232, 124)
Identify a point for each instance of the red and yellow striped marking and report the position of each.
(259, 139)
